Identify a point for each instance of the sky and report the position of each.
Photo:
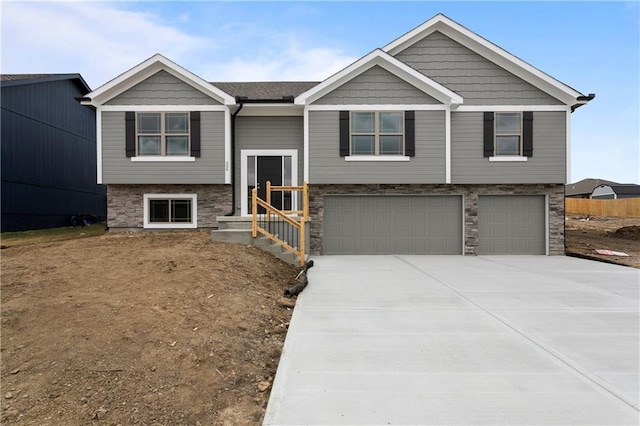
(594, 47)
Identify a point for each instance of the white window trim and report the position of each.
(165, 158)
(377, 134)
(377, 158)
(194, 211)
(163, 133)
(293, 153)
(508, 158)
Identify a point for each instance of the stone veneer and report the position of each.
(470, 195)
(125, 203)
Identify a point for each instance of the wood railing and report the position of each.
(626, 207)
(285, 227)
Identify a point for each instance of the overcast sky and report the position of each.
(593, 47)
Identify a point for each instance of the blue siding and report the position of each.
(48, 157)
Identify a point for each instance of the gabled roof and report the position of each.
(148, 68)
(585, 186)
(491, 52)
(8, 80)
(623, 189)
(389, 63)
(266, 90)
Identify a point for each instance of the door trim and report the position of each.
(245, 153)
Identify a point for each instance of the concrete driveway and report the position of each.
(446, 340)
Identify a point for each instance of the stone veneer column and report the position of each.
(125, 203)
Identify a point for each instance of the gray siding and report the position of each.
(162, 89)
(268, 133)
(326, 166)
(548, 164)
(117, 168)
(376, 86)
(476, 79)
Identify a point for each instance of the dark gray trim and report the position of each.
(130, 133)
(488, 134)
(527, 134)
(344, 134)
(194, 124)
(410, 133)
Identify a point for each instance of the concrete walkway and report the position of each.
(441, 340)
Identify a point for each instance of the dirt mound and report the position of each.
(628, 233)
(162, 328)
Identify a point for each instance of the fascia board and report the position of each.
(146, 69)
(489, 51)
(389, 63)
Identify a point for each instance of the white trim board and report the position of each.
(244, 196)
(163, 108)
(151, 196)
(378, 107)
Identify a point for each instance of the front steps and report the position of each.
(236, 229)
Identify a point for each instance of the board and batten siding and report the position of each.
(264, 133)
(478, 80)
(326, 166)
(376, 86)
(208, 168)
(547, 165)
(162, 89)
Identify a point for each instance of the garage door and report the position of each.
(511, 224)
(392, 225)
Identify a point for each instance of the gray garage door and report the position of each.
(392, 224)
(511, 224)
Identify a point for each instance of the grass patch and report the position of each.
(13, 239)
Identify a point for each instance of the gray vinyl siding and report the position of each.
(162, 89)
(376, 86)
(276, 133)
(326, 166)
(547, 165)
(208, 168)
(478, 80)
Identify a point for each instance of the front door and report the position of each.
(269, 168)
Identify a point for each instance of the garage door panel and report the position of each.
(511, 224)
(393, 224)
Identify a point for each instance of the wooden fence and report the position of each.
(626, 207)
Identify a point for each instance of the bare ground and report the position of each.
(143, 328)
(164, 328)
(585, 234)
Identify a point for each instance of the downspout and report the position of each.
(240, 100)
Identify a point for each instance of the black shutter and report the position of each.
(344, 133)
(194, 126)
(130, 134)
(409, 134)
(488, 134)
(527, 134)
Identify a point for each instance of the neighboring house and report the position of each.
(584, 188)
(438, 143)
(48, 152)
(616, 191)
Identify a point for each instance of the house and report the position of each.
(439, 142)
(584, 188)
(48, 152)
(616, 191)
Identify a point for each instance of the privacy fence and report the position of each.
(627, 207)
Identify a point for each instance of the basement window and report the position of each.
(170, 211)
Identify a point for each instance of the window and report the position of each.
(508, 133)
(170, 210)
(377, 133)
(162, 133)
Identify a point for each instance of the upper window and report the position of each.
(162, 133)
(508, 133)
(377, 133)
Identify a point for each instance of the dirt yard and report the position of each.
(585, 234)
(164, 328)
(144, 328)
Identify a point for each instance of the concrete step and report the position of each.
(234, 222)
(241, 236)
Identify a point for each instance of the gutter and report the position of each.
(240, 101)
(583, 101)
